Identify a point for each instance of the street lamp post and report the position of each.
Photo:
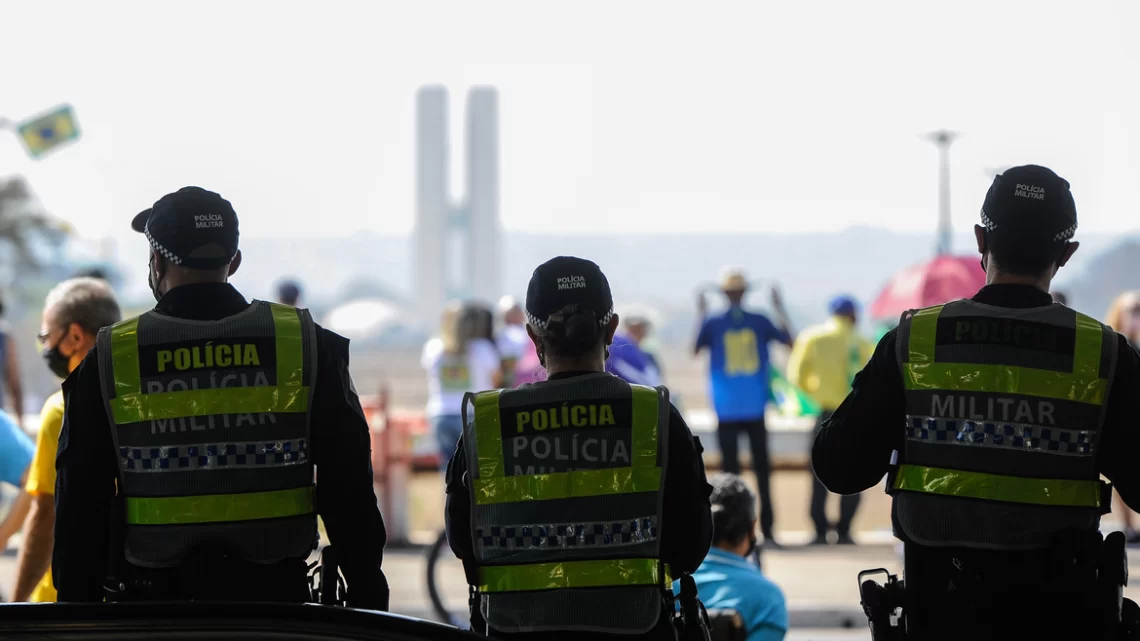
(943, 139)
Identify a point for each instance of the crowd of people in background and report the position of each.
(824, 360)
(477, 349)
(480, 348)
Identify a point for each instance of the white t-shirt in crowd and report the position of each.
(512, 341)
(451, 376)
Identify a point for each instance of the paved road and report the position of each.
(819, 584)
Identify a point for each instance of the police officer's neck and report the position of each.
(590, 363)
(1039, 281)
(177, 277)
(740, 548)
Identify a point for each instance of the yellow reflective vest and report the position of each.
(1004, 410)
(211, 424)
(566, 495)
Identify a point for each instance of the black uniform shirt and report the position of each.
(686, 525)
(853, 450)
(87, 464)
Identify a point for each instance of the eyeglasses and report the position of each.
(42, 337)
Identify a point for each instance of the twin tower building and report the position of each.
(458, 244)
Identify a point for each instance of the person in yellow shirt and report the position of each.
(824, 360)
(74, 312)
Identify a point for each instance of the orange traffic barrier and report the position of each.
(392, 434)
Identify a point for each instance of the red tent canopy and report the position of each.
(941, 280)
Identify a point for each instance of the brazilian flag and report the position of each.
(48, 131)
(790, 400)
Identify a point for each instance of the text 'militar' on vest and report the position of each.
(211, 422)
(1004, 411)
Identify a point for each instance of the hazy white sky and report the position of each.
(616, 116)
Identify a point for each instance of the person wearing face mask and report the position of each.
(728, 578)
(191, 434)
(74, 312)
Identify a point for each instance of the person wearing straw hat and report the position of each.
(737, 341)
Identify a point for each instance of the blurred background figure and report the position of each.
(627, 360)
(737, 341)
(461, 359)
(93, 272)
(289, 293)
(1124, 317)
(15, 456)
(513, 342)
(639, 328)
(824, 360)
(511, 338)
(1059, 297)
(484, 329)
(729, 578)
(529, 368)
(11, 387)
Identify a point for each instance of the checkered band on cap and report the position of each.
(1064, 234)
(543, 324)
(989, 224)
(166, 253)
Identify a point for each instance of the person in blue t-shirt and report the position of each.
(16, 451)
(727, 579)
(737, 341)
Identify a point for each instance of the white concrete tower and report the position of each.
(458, 247)
(484, 248)
(432, 206)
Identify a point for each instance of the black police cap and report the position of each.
(1030, 201)
(187, 220)
(565, 281)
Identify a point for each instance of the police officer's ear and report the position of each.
(1070, 249)
(537, 340)
(611, 328)
(235, 263)
(980, 236)
(157, 267)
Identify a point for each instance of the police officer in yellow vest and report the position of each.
(571, 501)
(206, 416)
(1003, 411)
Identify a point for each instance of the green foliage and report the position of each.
(23, 221)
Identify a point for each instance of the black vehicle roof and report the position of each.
(205, 620)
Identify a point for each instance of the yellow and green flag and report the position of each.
(789, 399)
(48, 131)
